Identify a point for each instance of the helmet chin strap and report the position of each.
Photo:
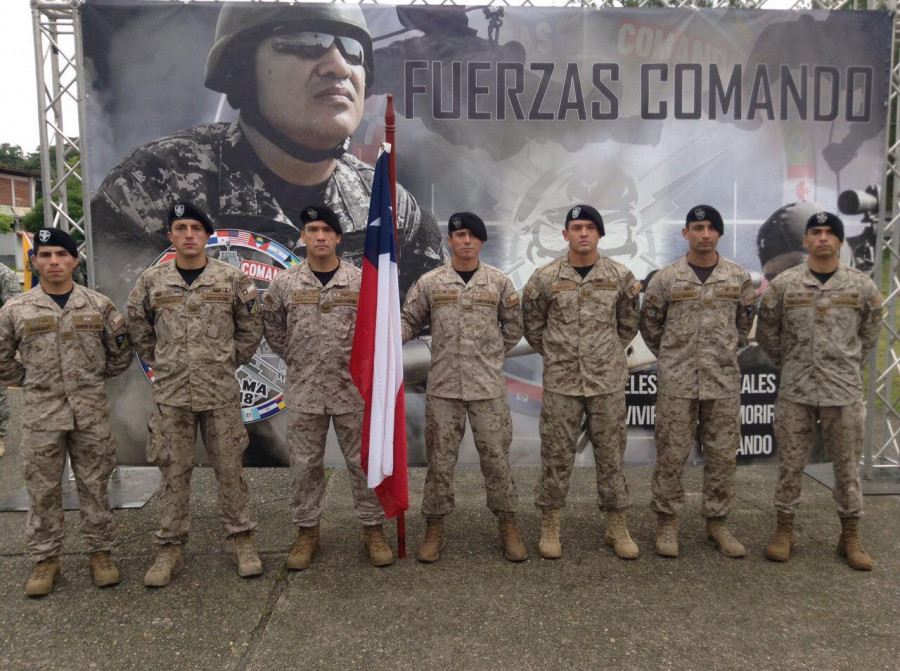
(251, 115)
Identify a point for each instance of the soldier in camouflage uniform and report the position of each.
(580, 314)
(194, 320)
(287, 148)
(69, 339)
(819, 321)
(9, 288)
(475, 317)
(696, 313)
(310, 315)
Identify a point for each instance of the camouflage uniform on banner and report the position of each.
(194, 337)
(581, 327)
(214, 166)
(821, 336)
(473, 325)
(694, 329)
(311, 327)
(9, 287)
(66, 354)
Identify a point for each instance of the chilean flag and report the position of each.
(376, 362)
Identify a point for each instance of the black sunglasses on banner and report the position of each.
(315, 45)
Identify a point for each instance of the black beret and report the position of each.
(53, 237)
(705, 213)
(827, 219)
(469, 221)
(188, 211)
(322, 213)
(585, 212)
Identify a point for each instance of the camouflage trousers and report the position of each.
(445, 424)
(306, 436)
(4, 412)
(561, 424)
(720, 438)
(842, 431)
(173, 435)
(92, 453)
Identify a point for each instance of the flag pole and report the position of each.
(390, 134)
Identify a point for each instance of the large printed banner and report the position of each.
(513, 113)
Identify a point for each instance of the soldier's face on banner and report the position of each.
(821, 242)
(188, 237)
(702, 237)
(54, 264)
(464, 245)
(582, 236)
(316, 102)
(320, 240)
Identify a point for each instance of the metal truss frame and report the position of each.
(62, 107)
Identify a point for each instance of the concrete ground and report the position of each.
(472, 609)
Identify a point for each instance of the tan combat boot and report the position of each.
(617, 535)
(379, 551)
(103, 571)
(246, 553)
(46, 573)
(513, 546)
(850, 547)
(780, 547)
(718, 532)
(666, 535)
(168, 564)
(549, 545)
(430, 550)
(304, 548)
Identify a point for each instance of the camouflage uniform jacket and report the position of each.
(581, 326)
(820, 335)
(472, 326)
(66, 355)
(213, 167)
(195, 336)
(311, 328)
(694, 329)
(9, 285)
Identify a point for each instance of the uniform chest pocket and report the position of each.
(87, 323)
(479, 319)
(598, 299)
(683, 315)
(840, 314)
(39, 330)
(486, 301)
(340, 317)
(216, 304)
(724, 300)
(169, 321)
(564, 301)
(799, 308)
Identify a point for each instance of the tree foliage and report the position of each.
(13, 156)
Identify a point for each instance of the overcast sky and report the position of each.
(18, 114)
(18, 119)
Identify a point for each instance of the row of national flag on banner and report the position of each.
(376, 361)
